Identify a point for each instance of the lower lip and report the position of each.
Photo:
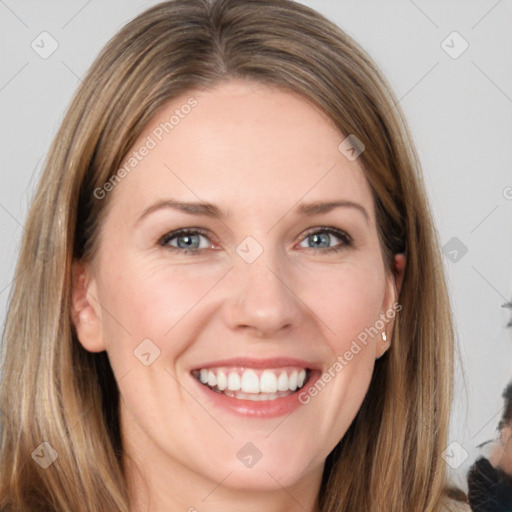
(258, 409)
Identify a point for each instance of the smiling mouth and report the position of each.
(254, 384)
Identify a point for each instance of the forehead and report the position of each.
(244, 146)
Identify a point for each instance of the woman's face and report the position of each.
(264, 290)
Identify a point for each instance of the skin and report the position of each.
(256, 152)
(501, 455)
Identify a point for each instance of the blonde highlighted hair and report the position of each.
(53, 390)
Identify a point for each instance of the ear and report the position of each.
(394, 281)
(85, 308)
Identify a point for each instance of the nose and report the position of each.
(263, 301)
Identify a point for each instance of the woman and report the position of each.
(182, 348)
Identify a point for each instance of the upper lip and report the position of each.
(247, 362)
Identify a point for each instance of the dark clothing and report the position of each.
(489, 488)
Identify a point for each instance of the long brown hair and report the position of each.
(54, 391)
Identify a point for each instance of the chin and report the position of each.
(262, 479)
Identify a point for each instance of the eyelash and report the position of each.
(344, 237)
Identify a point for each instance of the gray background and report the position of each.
(459, 110)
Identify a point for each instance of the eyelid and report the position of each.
(183, 231)
(340, 233)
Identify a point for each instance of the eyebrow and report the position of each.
(213, 211)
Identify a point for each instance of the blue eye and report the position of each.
(322, 236)
(188, 240)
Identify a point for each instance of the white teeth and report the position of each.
(256, 382)
(233, 381)
(293, 380)
(250, 382)
(268, 382)
(282, 382)
(212, 380)
(222, 381)
(301, 378)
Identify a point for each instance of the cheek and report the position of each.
(148, 300)
(347, 301)
(151, 307)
